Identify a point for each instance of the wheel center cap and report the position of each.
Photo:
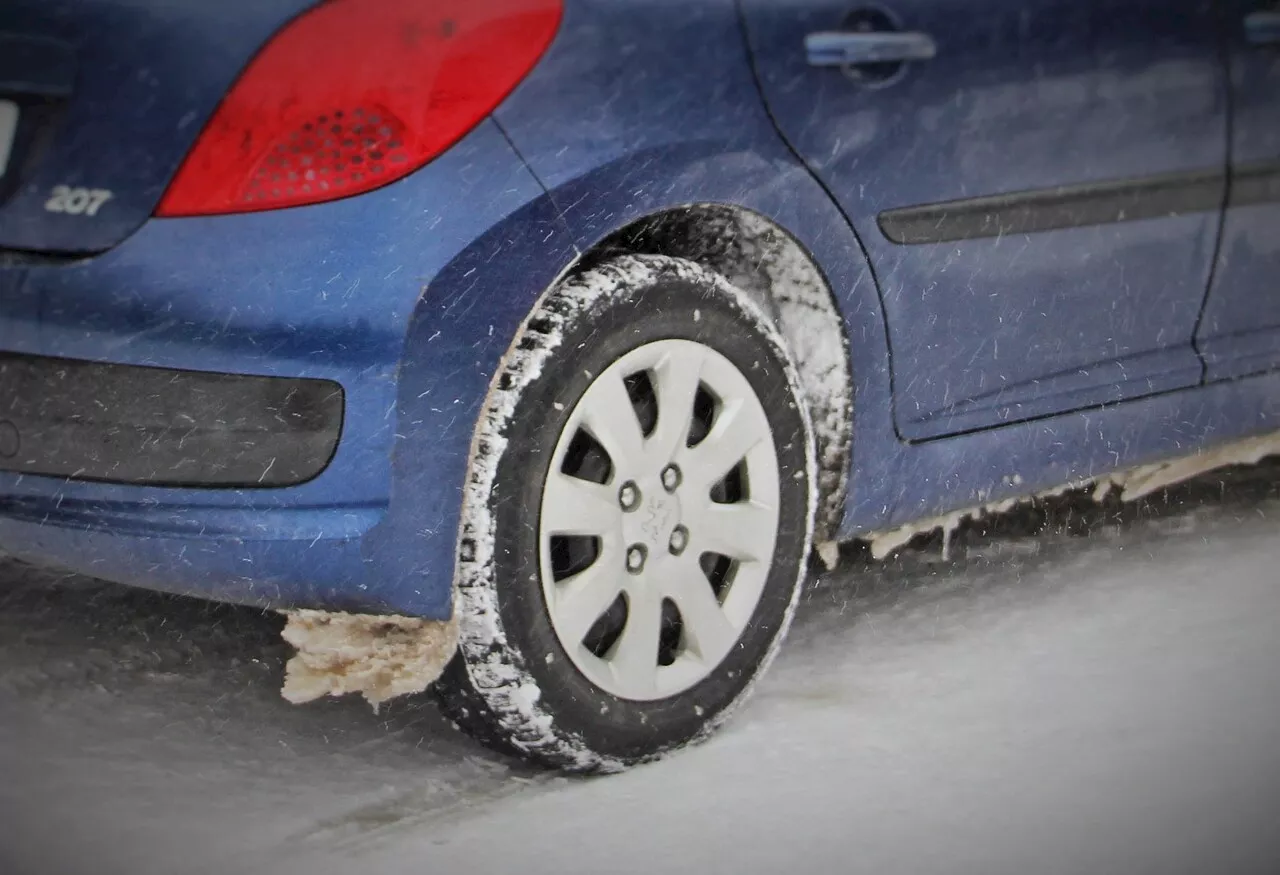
(651, 523)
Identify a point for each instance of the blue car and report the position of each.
(581, 324)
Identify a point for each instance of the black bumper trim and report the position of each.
(139, 425)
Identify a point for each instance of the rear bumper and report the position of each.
(352, 342)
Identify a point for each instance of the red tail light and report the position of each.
(355, 94)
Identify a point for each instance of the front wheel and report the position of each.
(637, 522)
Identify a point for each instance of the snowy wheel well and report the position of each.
(764, 260)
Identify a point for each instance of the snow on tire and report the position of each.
(637, 521)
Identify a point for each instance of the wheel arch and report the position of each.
(766, 261)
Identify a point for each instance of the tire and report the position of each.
(577, 490)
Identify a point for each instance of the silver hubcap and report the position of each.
(659, 519)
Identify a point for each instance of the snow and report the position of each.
(766, 263)
(380, 657)
(884, 543)
(1081, 688)
(814, 331)
(1142, 481)
(1133, 483)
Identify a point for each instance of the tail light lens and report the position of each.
(355, 94)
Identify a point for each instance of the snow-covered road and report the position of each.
(1103, 697)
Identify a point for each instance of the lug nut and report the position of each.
(670, 478)
(629, 496)
(636, 555)
(679, 540)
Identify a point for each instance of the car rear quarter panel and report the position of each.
(327, 291)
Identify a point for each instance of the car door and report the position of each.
(1037, 184)
(1240, 333)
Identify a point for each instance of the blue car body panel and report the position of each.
(408, 296)
(1240, 332)
(1020, 97)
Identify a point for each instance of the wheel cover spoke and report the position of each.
(634, 657)
(678, 376)
(706, 628)
(573, 506)
(607, 413)
(744, 530)
(581, 600)
(737, 429)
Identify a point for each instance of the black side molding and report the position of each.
(161, 427)
(1069, 206)
(1256, 183)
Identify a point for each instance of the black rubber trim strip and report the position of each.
(163, 427)
(1256, 183)
(1070, 206)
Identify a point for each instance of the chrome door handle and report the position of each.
(1262, 28)
(846, 49)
